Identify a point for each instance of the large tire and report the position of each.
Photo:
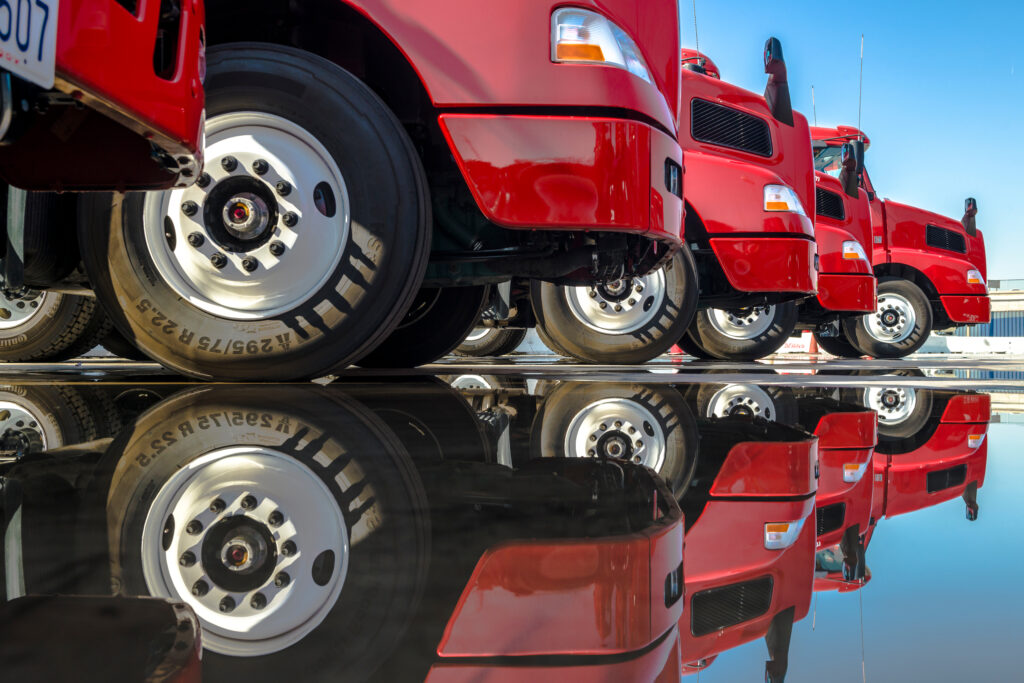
(48, 326)
(743, 334)
(484, 342)
(874, 337)
(342, 482)
(840, 346)
(440, 318)
(691, 348)
(631, 320)
(117, 344)
(318, 296)
(658, 414)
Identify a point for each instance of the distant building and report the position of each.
(1007, 297)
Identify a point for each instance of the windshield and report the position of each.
(829, 160)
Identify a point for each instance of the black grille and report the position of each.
(946, 479)
(830, 517)
(940, 238)
(829, 204)
(729, 127)
(727, 606)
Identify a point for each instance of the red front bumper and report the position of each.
(768, 264)
(568, 173)
(967, 308)
(847, 292)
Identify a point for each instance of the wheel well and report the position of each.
(905, 272)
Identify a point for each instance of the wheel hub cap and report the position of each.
(246, 216)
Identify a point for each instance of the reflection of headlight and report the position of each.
(974, 278)
(779, 535)
(584, 37)
(975, 440)
(782, 198)
(853, 251)
(852, 472)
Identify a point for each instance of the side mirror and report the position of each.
(777, 90)
(848, 175)
(970, 211)
(696, 66)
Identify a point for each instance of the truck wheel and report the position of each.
(117, 344)
(775, 404)
(690, 347)
(902, 411)
(48, 326)
(298, 250)
(630, 320)
(743, 333)
(491, 341)
(642, 423)
(439, 319)
(900, 325)
(839, 346)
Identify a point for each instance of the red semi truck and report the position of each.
(931, 269)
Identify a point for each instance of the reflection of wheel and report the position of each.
(48, 326)
(899, 326)
(440, 318)
(839, 347)
(118, 344)
(491, 341)
(645, 424)
(35, 418)
(902, 411)
(630, 320)
(743, 333)
(775, 404)
(261, 514)
(298, 250)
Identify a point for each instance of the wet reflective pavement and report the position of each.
(511, 522)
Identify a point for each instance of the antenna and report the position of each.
(814, 107)
(863, 665)
(696, 37)
(860, 92)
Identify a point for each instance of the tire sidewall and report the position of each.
(856, 329)
(722, 347)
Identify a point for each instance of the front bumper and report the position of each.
(847, 292)
(569, 173)
(967, 308)
(768, 264)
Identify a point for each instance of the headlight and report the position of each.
(584, 37)
(779, 535)
(852, 472)
(974, 278)
(975, 440)
(852, 250)
(782, 198)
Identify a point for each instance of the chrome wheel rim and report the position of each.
(893, 405)
(23, 418)
(267, 230)
(232, 495)
(741, 399)
(17, 311)
(621, 306)
(478, 333)
(742, 323)
(893, 321)
(618, 429)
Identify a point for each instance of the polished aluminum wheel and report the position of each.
(18, 310)
(892, 404)
(741, 399)
(893, 321)
(619, 429)
(742, 323)
(619, 307)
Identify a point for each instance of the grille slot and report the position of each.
(719, 608)
(830, 517)
(728, 127)
(946, 479)
(940, 238)
(829, 204)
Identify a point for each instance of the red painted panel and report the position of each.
(754, 469)
(767, 264)
(848, 430)
(967, 309)
(908, 473)
(847, 292)
(832, 489)
(968, 408)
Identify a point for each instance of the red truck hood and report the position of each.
(904, 216)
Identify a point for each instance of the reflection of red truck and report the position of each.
(931, 269)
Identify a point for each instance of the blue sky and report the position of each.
(943, 93)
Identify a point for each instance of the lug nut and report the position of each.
(194, 527)
(217, 505)
(288, 548)
(229, 163)
(618, 424)
(187, 559)
(282, 579)
(196, 239)
(277, 248)
(290, 218)
(639, 288)
(189, 208)
(250, 264)
(260, 166)
(603, 304)
(204, 180)
(632, 302)
(219, 260)
(258, 601)
(618, 307)
(227, 604)
(283, 187)
(603, 427)
(249, 503)
(275, 518)
(200, 588)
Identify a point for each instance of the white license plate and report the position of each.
(28, 39)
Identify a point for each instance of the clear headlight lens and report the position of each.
(780, 535)
(584, 37)
(974, 278)
(853, 250)
(852, 472)
(782, 198)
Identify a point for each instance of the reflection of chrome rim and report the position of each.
(742, 323)
(478, 333)
(620, 429)
(892, 404)
(893, 321)
(18, 311)
(619, 307)
(471, 382)
(22, 418)
(741, 399)
(264, 228)
(253, 542)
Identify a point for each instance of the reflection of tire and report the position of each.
(900, 325)
(48, 326)
(491, 341)
(645, 424)
(439, 319)
(744, 333)
(240, 294)
(775, 404)
(118, 344)
(630, 320)
(42, 417)
(180, 485)
(840, 346)
(902, 411)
